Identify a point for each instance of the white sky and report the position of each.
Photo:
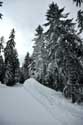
(25, 16)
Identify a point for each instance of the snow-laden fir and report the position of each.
(35, 104)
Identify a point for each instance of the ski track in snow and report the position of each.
(34, 104)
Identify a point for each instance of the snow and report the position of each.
(62, 110)
(34, 104)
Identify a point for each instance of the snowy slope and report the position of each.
(62, 110)
(34, 104)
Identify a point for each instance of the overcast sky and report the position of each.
(25, 16)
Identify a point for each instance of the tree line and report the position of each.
(58, 50)
(10, 70)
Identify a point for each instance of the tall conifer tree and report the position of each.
(11, 60)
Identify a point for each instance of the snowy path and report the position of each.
(34, 104)
(17, 107)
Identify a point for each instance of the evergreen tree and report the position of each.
(39, 54)
(57, 59)
(80, 20)
(17, 71)
(57, 27)
(9, 75)
(68, 56)
(1, 68)
(1, 44)
(32, 69)
(21, 80)
(52, 35)
(1, 6)
(11, 60)
(1, 60)
(37, 51)
(25, 68)
(63, 43)
(1, 49)
(38, 39)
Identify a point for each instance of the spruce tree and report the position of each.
(37, 49)
(63, 42)
(55, 23)
(25, 68)
(11, 60)
(37, 45)
(80, 20)
(56, 26)
(39, 54)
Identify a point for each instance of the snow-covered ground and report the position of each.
(34, 104)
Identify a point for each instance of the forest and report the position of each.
(57, 58)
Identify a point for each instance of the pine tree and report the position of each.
(11, 60)
(25, 68)
(55, 23)
(57, 27)
(80, 20)
(39, 54)
(63, 43)
(38, 39)
(37, 50)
